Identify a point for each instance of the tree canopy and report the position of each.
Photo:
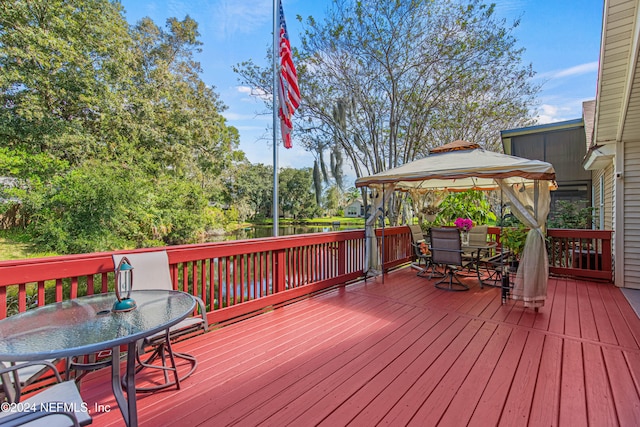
(384, 81)
(89, 102)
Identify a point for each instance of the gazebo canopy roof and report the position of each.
(459, 166)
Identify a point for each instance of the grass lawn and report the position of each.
(13, 246)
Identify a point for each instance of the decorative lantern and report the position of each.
(124, 283)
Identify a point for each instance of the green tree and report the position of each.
(96, 207)
(333, 199)
(297, 197)
(175, 117)
(470, 204)
(59, 62)
(83, 94)
(385, 81)
(251, 185)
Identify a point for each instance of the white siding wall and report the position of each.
(607, 175)
(631, 214)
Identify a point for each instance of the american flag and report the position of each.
(289, 93)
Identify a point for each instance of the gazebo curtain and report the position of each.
(530, 203)
(379, 194)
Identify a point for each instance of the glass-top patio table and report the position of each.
(476, 252)
(86, 325)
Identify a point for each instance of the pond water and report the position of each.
(288, 230)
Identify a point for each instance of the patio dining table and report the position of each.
(476, 251)
(87, 325)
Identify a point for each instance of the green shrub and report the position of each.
(571, 215)
(514, 239)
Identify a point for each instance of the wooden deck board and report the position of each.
(402, 352)
(573, 406)
(600, 404)
(545, 407)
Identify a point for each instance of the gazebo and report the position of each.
(460, 166)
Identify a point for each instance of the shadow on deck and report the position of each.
(402, 352)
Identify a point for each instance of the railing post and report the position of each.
(342, 258)
(279, 284)
(607, 262)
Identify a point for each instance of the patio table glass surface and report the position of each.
(476, 250)
(87, 324)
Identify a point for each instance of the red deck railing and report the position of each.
(577, 253)
(238, 278)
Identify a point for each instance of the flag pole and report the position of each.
(276, 50)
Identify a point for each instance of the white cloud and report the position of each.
(577, 70)
(559, 110)
(234, 116)
(548, 114)
(231, 17)
(254, 93)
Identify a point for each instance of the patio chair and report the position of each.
(60, 403)
(417, 241)
(151, 271)
(26, 373)
(446, 250)
(477, 237)
(492, 267)
(33, 418)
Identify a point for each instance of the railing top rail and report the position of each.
(39, 269)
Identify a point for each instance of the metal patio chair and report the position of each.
(446, 250)
(151, 271)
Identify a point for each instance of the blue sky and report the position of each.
(561, 38)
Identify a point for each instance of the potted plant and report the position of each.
(513, 240)
(464, 225)
(430, 212)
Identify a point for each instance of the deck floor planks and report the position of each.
(573, 405)
(414, 361)
(588, 328)
(627, 313)
(558, 309)
(461, 407)
(333, 371)
(387, 395)
(624, 335)
(572, 310)
(357, 391)
(490, 406)
(600, 405)
(517, 407)
(606, 334)
(625, 392)
(436, 404)
(545, 407)
(402, 413)
(243, 397)
(478, 363)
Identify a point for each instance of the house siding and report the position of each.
(609, 200)
(631, 214)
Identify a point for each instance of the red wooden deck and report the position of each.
(404, 353)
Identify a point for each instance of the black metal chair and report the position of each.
(446, 250)
(419, 242)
